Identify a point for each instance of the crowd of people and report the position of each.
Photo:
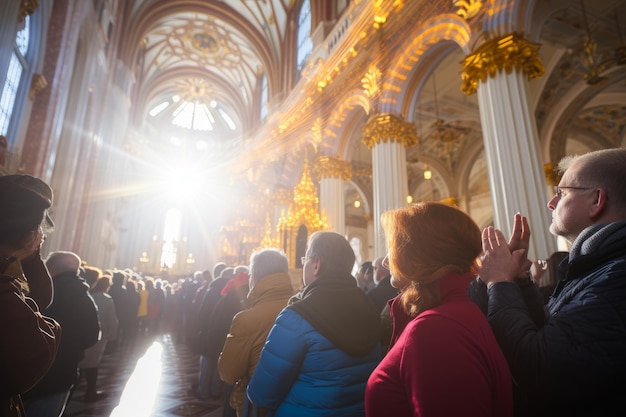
(452, 321)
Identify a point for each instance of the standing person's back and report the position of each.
(270, 289)
(117, 291)
(324, 345)
(76, 312)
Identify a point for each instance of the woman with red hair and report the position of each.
(446, 361)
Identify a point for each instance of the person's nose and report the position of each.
(553, 202)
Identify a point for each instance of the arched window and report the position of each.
(264, 97)
(304, 45)
(18, 67)
(171, 235)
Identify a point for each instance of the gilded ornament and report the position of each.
(329, 167)
(304, 209)
(451, 201)
(552, 176)
(282, 196)
(38, 83)
(468, 8)
(371, 81)
(316, 130)
(27, 7)
(506, 53)
(388, 128)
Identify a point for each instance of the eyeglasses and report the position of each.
(558, 191)
(385, 262)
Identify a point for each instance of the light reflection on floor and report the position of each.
(139, 395)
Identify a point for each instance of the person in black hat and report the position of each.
(29, 340)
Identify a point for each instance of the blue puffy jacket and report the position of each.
(301, 373)
(319, 354)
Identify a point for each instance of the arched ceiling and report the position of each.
(208, 53)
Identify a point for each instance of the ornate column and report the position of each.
(498, 71)
(388, 136)
(331, 174)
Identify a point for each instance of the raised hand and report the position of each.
(520, 240)
(497, 262)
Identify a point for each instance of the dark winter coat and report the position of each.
(574, 364)
(76, 312)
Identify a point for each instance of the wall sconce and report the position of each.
(357, 203)
(409, 199)
(428, 174)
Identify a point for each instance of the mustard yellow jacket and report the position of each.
(250, 328)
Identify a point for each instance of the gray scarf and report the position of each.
(597, 236)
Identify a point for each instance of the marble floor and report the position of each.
(151, 379)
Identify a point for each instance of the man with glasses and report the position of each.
(383, 291)
(571, 360)
(324, 344)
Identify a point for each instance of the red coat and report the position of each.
(446, 362)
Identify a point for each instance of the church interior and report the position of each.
(176, 134)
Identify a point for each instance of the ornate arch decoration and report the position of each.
(447, 27)
(336, 134)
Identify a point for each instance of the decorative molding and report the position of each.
(329, 167)
(388, 128)
(37, 83)
(27, 7)
(506, 53)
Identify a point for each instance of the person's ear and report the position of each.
(599, 204)
(317, 266)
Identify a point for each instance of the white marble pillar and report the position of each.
(332, 203)
(388, 136)
(332, 174)
(510, 136)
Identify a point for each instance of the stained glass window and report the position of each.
(14, 75)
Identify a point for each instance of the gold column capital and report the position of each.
(506, 53)
(331, 167)
(388, 128)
